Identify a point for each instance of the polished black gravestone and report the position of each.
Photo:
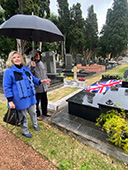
(84, 105)
(115, 98)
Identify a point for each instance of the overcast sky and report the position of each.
(100, 8)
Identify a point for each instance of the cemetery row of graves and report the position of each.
(58, 69)
(101, 97)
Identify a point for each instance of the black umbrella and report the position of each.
(31, 28)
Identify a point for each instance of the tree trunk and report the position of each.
(63, 49)
(21, 46)
(21, 4)
(40, 46)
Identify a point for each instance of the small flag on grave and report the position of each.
(102, 87)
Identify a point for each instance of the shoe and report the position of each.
(28, 135)
(48, 114)
(36, 128)
(39, 118)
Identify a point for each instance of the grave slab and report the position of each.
(84, 105)
(115, 98)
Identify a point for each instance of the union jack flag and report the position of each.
(102, 87)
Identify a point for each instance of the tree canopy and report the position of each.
(80, 34)
(76, 30)
(114, 35)
(91, 30)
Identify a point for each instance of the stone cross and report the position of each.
(75, 70)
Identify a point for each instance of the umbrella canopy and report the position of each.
(31, 28)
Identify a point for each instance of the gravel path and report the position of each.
(16, 155)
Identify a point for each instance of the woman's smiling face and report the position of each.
(16, 59)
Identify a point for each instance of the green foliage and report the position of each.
(46, 46)
(54, 18)
(85, 166)
(63, 165)
(39, 7)
(91, 31)
(113, 76)
(76, 30)
(53, 152)
(123, 70)
(115, 128)
(115, 124)
(116, 29)
(125, 145)
(10, 8)
(6, 45)
(106, 116)
(64, 17)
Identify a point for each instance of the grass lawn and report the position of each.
(115, 71)
(65, 152)
(61, 93)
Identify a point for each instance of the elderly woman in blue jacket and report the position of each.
(18, 84)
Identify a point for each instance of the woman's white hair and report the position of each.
(10, 63)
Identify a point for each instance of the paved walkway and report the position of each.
(86, 132)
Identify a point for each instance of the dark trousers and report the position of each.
(44, 102)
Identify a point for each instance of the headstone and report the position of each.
(126, 74)
(68, 61)
(88, 61)
(101, 60)
(49, 61)
(83, 62)
(78, 59)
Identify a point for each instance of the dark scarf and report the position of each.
(37, 61)
(19, 66)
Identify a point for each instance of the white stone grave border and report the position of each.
(60, 104)
(75, 83)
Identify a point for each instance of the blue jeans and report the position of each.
(32, 112)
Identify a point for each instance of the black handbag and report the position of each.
(12, 117)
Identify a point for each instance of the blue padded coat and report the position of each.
(18, 84)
